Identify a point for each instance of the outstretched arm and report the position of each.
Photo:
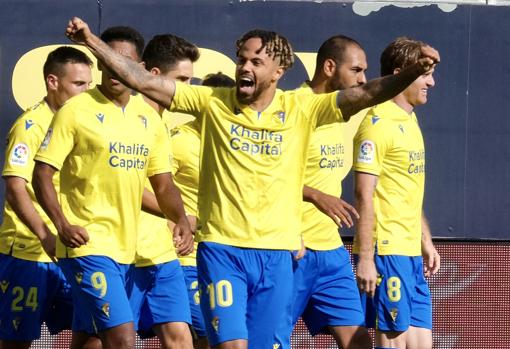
(366, 273)
(376, 91)
(70, 235)
(129, 72)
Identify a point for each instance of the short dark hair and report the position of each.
(218, 80)
(165, 50)
(276, 45)
(59, 57)
(124, 33)
(400, 53)
(334, 48)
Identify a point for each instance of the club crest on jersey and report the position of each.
(28, 124)
(19, 155)
(47, 138)
(106, 309)
(100, 117)
(281, 116)
(3, 285)
(216, 323)
(144, 120)
(78, 277)
(366, 152)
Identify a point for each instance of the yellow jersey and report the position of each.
(104, 154)
(389, 145)
(23, 141)
(324, 169)
(185, 167)
(252, 163)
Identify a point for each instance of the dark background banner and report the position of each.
(465, 123)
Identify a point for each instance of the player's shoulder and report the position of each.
(37, 116)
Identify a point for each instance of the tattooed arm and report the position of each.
(376, 91)
(130, 73)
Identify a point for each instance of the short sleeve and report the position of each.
(370, 146)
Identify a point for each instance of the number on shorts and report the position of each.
(220, 294)
(99, 283)
(196, 295)
(19, 295)
(394, 289)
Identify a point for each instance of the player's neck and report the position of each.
(154, 105)
(264, 99)
(120, 100)
(51, 101)
(403, 103)
(318, 85)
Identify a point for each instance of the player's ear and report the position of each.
(278, 73)
(396, 71)
(52, 82)
(155, 71)
(329, 67)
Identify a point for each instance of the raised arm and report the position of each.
(70, 235)
(17, 196)
(129, 72)
(366, 273)
(376, 91)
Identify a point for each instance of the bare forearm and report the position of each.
(21, 203)
(47, 196)
(426, 236)
(365, 229)
(309, 194)
(132, 74)
(376, 91)
(150, 204)
(168, 196)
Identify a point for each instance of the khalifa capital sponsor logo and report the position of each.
(255, 142)
(19, 155)
(366, 152)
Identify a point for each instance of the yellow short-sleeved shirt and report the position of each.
(324, 168)
(185, 167)
(252, 163)
(23, 141)
(389, 144)
(104, 154)
(155, 245)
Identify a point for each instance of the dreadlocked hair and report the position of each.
(276, 45)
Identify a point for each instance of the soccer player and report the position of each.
(185, 160)
(254, 138)
(393, 238)
(105, 142)
(33, 288)
(158, 296)
(326, 295)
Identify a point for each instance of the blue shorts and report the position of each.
(325, 291)
(158, 296)
(99, 288)
(197, 319)
(402, 297)
(32, 293)
(246, 294)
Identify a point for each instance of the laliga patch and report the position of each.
(366, 152)
(47, 139)
(19, 155)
